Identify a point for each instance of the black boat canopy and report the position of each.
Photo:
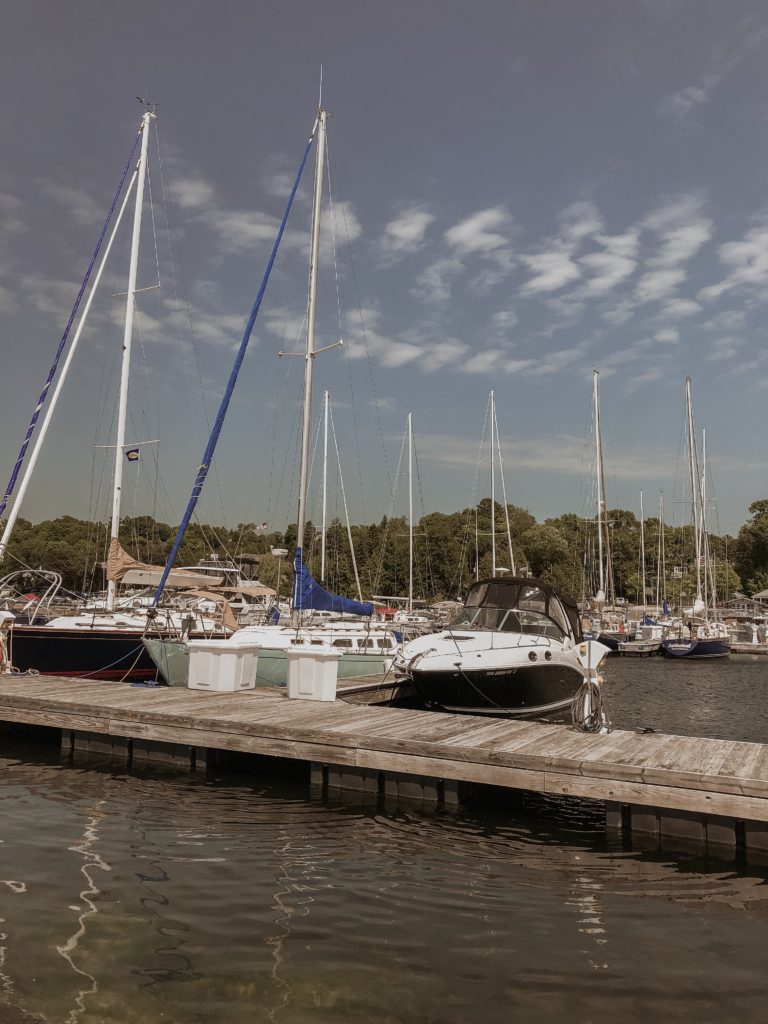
(524, 592)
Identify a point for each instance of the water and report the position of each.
(241, 899)
(721, 699)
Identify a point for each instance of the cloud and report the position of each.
(405, 234)
(747, 263)
(658, 284)
(613, 265)
(484, 362)
(580, 220)
(685, 101)
(558, 453)
(433, 285)
(479, 233)
(503, 320)
(728, 320)
(677, 308)
(10, 223)
(77, 201)
(725, 348)
(551, 271)
(668, 336)
(192, 193)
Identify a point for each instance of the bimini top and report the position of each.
(524, 592)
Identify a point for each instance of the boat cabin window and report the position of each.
(341, 643)
(387, 643)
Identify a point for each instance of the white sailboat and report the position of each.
(701, 634)
(101, 643)
(366, 647)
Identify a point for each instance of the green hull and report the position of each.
(172, 660)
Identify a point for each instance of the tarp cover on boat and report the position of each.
(307, 593)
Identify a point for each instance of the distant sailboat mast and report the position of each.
(698, 604)
(410, 513)
(605, 567)
(642, 554)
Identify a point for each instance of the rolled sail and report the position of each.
(307, 593)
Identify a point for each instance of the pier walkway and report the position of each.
(718, 786)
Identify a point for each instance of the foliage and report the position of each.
(449, 551)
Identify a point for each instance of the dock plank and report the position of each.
(686, 773)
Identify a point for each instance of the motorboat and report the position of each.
(515, 648)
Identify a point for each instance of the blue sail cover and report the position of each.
(307, 593)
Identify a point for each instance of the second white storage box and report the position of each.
(217, 665)
(312, 672)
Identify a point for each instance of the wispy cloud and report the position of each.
(78, 202)
(479, 233)
(192, 193)
(684, 102)
(746, 262)
(405, 234)
(434, 283)
(551, 270)
(560, 453)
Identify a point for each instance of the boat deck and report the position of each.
(704, 776)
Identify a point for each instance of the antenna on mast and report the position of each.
(320, 96)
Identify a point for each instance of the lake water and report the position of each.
(240, 898)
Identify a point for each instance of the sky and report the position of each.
(521, 192)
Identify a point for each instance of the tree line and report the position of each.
(450, 550)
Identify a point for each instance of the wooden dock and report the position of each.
(716, 790)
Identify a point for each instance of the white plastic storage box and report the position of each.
(218, 666)
(312, 672)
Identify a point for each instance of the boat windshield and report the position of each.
(530, 608)
(508, 620)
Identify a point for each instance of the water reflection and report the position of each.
(217, 901)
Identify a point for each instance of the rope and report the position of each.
(587, 711)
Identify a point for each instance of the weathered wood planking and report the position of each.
(675, 772)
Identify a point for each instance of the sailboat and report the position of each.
(702, 634)
(100, 644)
(647, 641)
(606, 625)
(366, 647)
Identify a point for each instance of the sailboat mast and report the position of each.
(493, 487)
(709, 583)
(642, 550)
(130, 305)
(410, 512)
(325, 487)
(600, 498)
(694, 486)
(311, 317)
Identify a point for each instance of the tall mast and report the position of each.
(642, 551)
(493, 487)
(709, 582)
(311, 317)
(661, 566)
(600, 500)
(410, 512)
(694, 489)
(325, 487)
(130, 305)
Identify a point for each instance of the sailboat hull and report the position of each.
(116, 654)
(704, 647)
